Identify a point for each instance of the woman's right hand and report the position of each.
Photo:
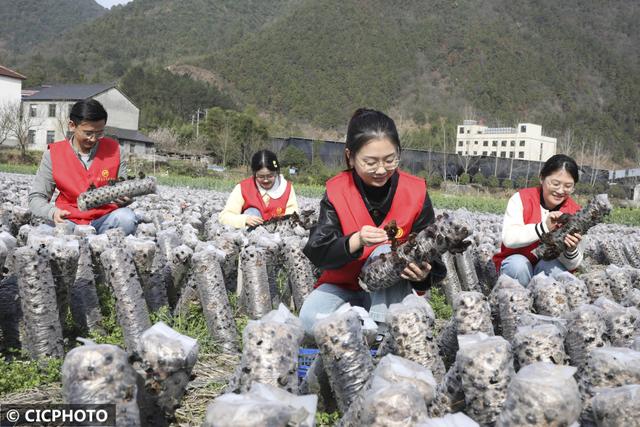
(252, 221)
(370, 236)
(59, 216)
(551, 222)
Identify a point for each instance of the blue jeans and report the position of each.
(328, 297)
(121, 217)
(519, 267)
(253, 212)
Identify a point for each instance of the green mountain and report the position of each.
(563, 64)
(27, 23)
(160, 32)
(567, 65)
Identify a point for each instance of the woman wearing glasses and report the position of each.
(260, 197)
(532, 212)
(356, 206)
(73, 165)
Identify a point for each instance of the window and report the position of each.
(459, 143)
(32, 137)
(503, 143)
(521, 155)
(521, 143)
(523, 128)
(484, 153)
(511, 154)
(485, 143)
(494, 143)
(475, 153)
(475, 142)
(503, 155)
(52, 110)
(33, 110)
(468, 131)
(51, 136)
(461, 129)
(493, 154)
(132, 147)
(513, 143)
(460, 153)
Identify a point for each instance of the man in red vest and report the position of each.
(73, 165)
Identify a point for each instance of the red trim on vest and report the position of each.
(253, 199)
(532, 215)
(345, 197)
(72, 178)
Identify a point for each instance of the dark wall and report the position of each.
(415, 161)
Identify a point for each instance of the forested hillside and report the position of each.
(27, 23)
(566, 65)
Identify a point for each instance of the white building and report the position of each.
(10, 89)
(523, 142)
(49, 108)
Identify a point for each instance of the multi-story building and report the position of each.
(10, 87)
(49, 108)
(524, 142)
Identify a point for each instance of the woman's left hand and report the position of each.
(415, 273)
(571, 241)
(123, 201)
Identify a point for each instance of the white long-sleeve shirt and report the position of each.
(232, 213)
(517, 234)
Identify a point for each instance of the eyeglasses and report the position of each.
(92, 134)
(267, 177)
(371, 166)
(557, 186)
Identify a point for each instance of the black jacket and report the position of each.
(328, 247)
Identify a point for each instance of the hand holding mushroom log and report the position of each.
(122, 190)
(441, 236)
(554, 243)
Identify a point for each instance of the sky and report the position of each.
(109, 3)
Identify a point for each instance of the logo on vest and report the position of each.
(399, 233)
(105, 173)
(279, 211)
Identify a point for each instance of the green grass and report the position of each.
(14, 168)
(326, 419)
(19, 375)
(439, 304)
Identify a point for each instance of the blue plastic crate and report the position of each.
(306, 356)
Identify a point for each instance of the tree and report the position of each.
(293, 156)
(19, 124)
(165, 138)
(5, 124)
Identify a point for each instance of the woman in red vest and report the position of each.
(532, 212)
(357, 204)
(260, 197)
(73, 165)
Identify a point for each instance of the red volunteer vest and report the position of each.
(72, 178)
(253, 199)
(532, 215)
(343, 194)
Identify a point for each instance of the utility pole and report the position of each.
(198, 122)
(444, 150)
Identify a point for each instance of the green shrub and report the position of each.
(479, 179)
(434, 181)
(507, 183)
(521, 182)
(464, 179)
(617, 192)
(293, 156)
(493, 182)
